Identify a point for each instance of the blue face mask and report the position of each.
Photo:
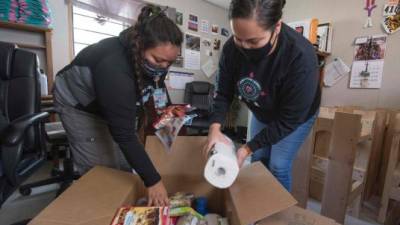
(154, 71)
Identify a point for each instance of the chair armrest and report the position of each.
(15, 131)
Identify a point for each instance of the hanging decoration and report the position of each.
(369, 7)
(391, 21)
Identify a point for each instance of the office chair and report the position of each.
(23, 137)
(22, 144)
(56, 136)
(199, 94)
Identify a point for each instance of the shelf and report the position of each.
(46, 46)
(24, 27)
(22, 45)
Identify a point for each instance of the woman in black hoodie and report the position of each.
(273, 69)
(104, 94)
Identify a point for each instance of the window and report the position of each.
(90, 28)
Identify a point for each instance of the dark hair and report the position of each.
(266, 12)
(151, 29)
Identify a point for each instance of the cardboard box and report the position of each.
(256, 196)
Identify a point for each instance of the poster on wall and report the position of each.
(178, 80)
(214, 29)
(206, 42)
(391, 21)
(224, 32)
(192, 52)
(209, 68)
(205, 26)
(335, 71)
(369, 58)
(217, 44)
(179, 18)
(193, 23)
(308, 28)
(391, 8)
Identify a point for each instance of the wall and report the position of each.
(204, 10)
(61, 45)
(348, 18)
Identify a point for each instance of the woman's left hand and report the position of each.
(242, 153)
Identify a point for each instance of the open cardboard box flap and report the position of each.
(94, 198)
(296, 215)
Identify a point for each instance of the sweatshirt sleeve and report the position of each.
(296, 97)
(116, 97)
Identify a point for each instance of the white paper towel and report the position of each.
(222, 168)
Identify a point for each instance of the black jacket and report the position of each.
(101, 81)
(289, 86)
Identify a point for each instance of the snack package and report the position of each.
(170, 122)
(188, 220)
(141, 216)
(181, 200)
(183, 211)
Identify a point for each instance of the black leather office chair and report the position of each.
(22, 145)
(22, 128)
(199, 94)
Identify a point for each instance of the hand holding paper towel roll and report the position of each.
(222, 168)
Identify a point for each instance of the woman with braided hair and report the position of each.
(103, 95)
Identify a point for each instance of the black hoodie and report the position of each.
(287, 82)
(115, 97)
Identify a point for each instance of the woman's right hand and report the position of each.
(214, 135)
(157, 195)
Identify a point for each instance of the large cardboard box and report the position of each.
(256, 196)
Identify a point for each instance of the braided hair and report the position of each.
(151, 29)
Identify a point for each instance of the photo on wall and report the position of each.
(224, 32)
(206, 42)
(193, 18)
(179, 18)
(192, 42)
(193, 23)
(214, 29)
(217, 44)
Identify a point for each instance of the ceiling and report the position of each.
(221, 3)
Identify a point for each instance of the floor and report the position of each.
(18, 207)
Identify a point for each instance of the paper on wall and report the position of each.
(209, 68)
(205, 26)
(367, 69)
(192, 59)
(178, 80)
(334, 71)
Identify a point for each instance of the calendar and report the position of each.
(367, 68)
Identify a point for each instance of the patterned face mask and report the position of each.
(153, 71)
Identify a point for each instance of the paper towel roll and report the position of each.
(222, 168)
